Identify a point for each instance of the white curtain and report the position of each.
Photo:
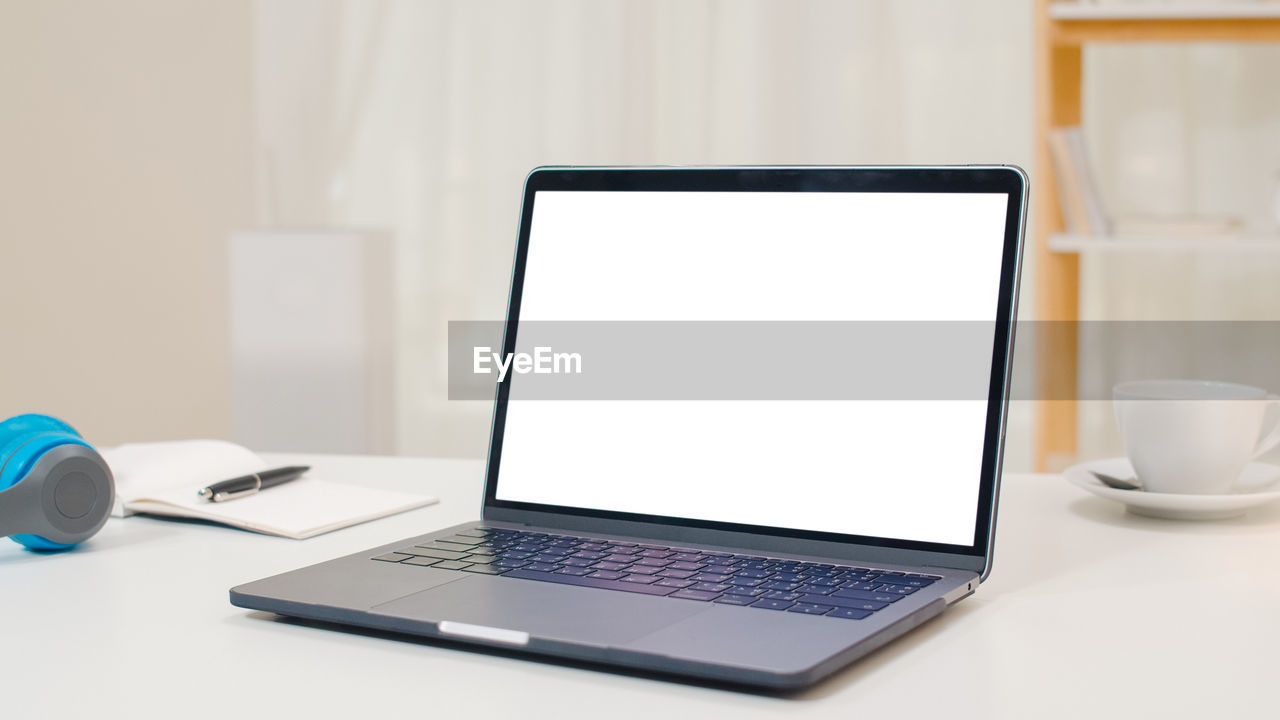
(424, 117)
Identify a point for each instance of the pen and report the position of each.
(249, 484)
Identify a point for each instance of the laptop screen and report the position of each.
(787, 269)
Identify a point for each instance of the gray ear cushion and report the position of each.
(65, 498)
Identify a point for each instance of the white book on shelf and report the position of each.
(1067, 174)
(1099, 222)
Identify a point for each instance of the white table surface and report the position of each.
(1088, 612)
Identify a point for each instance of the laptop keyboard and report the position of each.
(840, 591)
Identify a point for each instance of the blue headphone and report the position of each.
(55, 489)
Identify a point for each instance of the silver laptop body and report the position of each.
(755, 474)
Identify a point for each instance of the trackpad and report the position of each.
(544, 610)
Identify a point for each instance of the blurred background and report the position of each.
(178, 178)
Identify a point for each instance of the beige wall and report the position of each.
(125, 158)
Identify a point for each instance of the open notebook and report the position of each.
(163, 478)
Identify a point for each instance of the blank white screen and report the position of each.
(905, 469)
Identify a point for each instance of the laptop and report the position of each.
(745, 469)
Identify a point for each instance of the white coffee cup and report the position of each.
(1192, 436)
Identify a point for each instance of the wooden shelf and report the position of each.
(1077, 23)
(1062, 31)
(1239, 10)
(1065, 243)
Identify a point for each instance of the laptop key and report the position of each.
(483, 570)
(542, 566)
(865, 577)
(896, 589)
(776, 585)
(745, 591)
(809, 609)
(863, 595)
(438, 554)
(711, 587)
(735, 599)
(691, 594)
(866, 586)
(672, 582)
(393, 557)
(677, 574)
(481, 559)
(645, 579)
(603, 574)
(591, 582)
(657, 554)
(772, 604)
(461, 540)
(452, 565)
(711, 577)
(437, 545)
(616, 549)
(829, 582)
(871, 605)
(848, 613)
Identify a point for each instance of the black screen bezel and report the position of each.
(991, 179)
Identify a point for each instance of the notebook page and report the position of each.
(299, 509)
(149, 469)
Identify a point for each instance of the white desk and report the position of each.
(1089, 612)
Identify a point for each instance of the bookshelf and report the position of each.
(1240, 242)
(1062, 30)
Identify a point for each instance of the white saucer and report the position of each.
(1258, 484)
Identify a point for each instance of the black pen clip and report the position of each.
(224, 496)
